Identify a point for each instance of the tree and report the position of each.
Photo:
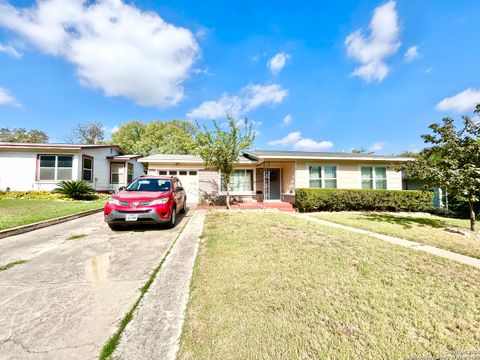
(88, 133)
(221, 149)
(451, 161)
(362, 151)
(22, 135)
(156, 137)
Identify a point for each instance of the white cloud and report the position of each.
(10, 50)
(250, 98)
(7, 99)
(382, 42)
(114, 46)
(287, 120)
(463, 101)
(428, 70)
(377, 146)
(277, 62)
(297, 142)
(411, 53)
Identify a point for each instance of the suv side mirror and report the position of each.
(121, 188)
(179, 188)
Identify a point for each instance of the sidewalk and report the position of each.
(467, 260)
(154, 332)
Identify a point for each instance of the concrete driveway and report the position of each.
(66, 300)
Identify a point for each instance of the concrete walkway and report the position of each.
(397, 241)
(155, 329)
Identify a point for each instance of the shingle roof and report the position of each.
(265, 154)
(170, 158)
(16, 145)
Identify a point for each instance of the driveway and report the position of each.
(66, 300)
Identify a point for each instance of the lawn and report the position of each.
(271, 286)
(422, 228)
(16, 212)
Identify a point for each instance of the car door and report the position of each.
(179, 194)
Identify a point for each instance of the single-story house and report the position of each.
(274, 175)
(25, 167)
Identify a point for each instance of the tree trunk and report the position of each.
(227, 183)
(472, 215)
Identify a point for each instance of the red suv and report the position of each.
(148, 199)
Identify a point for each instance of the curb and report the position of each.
(41, 224)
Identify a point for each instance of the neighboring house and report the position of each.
(25, 167)
(274, 175)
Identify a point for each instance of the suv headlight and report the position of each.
(113, 201)
(159, 201)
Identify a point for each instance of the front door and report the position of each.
(272, 184)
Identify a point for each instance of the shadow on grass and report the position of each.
(406, 221)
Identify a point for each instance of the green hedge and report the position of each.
(355, 200)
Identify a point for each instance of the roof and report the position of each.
(181, 158)
(123, 157)
(50, 146)
(310, 155)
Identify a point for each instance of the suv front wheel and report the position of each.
(173, 218)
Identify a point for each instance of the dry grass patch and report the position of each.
(423, 228)
(270, 286)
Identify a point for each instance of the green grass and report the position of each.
(16, 212)
(271, 286)
(12, 264)
(422, 228)
(76, 236)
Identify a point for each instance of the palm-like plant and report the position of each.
(74, 189)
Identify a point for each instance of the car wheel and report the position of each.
(184, 208)
(173, 218)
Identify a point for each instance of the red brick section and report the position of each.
(281, 206)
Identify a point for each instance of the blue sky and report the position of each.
(323, 75)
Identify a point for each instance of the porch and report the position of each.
(275, 182)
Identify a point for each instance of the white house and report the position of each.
(25, 167)
(274, 175)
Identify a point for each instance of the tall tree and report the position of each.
(451, 161)
(23, 135)
(221, 149)
(156, 137)
(91, 133)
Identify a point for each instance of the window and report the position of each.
(129, 173)
(192, 173)
(323, 176)
(117, 173)
(240, 181)
(150, 185)
(374, 177)
(87, 168)
(55, 167)
(173, 172)
(182, 173)
(162, 172)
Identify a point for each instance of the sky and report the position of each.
(314, 76)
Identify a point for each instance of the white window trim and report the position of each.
(239, 193)
(56, 180)
(337, 167)
(374, 178)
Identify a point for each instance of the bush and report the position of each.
(355, 200)
(75, 189)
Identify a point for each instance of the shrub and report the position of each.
(354, 200)
(75, 189)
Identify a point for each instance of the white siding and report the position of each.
(17, 170)
(101, 167)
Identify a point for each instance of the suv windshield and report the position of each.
(150, 185)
